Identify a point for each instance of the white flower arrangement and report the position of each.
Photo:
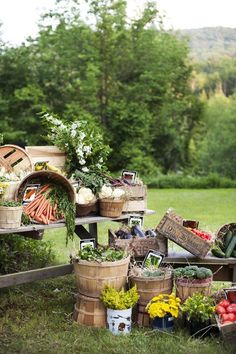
(107, 192)
(82, 143)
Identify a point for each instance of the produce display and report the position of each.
(204, 235)
(50, 204)
(226, 311)
(192, 272)
(101, 254)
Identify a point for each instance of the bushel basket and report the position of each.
(10, 217)
(110, 208)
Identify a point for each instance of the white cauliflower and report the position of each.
(106, 192)
(84, 196)
(118, 193)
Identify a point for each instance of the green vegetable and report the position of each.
(59, 196)
(216, 251)
(10, 203)
(192, 272)
(227, 239)
(230, 247)
(101, 254)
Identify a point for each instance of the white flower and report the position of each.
(82, 162)
(82, 135)
(87, 149)
(118, 193)
(85, 169)
(73, 133)
(98, 165)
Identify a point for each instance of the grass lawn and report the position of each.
(37, 317)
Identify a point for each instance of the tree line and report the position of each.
(131, 78)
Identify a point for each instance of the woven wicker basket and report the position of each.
(110, 208)
(45, 177)
(85, 209)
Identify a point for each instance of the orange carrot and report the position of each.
(43, 189)
(42, 206)
(34, 202)
(44, 219)
(37, 218)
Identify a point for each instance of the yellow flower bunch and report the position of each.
(163, 304)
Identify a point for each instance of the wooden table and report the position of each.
(224, 269)
(36, 231)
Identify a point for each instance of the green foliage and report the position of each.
(119, 300)
(199, 307)
(172, 180)
(60, 196)
(152, 273)
(19, 254)
(92, 180)
(101, 254)
(10, 203)
(192, 272)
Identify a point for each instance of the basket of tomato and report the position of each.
(226, 316)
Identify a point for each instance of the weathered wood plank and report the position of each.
(78, 221)
(33, 275)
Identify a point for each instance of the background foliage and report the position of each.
(160, 111)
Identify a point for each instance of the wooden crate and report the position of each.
(51, 154)
(227, 331)
(138, 246)
(137, 199)
(171, 226)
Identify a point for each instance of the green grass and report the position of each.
(37, 318)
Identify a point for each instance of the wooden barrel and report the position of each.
(89, 311)
(140, 316)
(148, 287)
(10, 217)
(187, 287)
(91, 277)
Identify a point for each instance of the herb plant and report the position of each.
(198, 307)
(92, 180)
(119, 300)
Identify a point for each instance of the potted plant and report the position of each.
(111, 201)
(96, 267)
(162, 309)
(191, 279)
(199, 311)
(119, 306)
(10, 214)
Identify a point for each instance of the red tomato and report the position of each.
(225, 317)
(227, 321)
(231, 308)
(224, 303)
(231, 317)
(220, 310)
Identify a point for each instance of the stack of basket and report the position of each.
(91, 277)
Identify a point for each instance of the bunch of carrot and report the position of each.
(42, 209)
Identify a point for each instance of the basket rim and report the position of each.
(100, 264)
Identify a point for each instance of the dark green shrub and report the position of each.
(18, 253)
(190, 182)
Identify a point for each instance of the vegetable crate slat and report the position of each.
(137, 198)
(139, 246)
(14, 158)
(171, 226)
